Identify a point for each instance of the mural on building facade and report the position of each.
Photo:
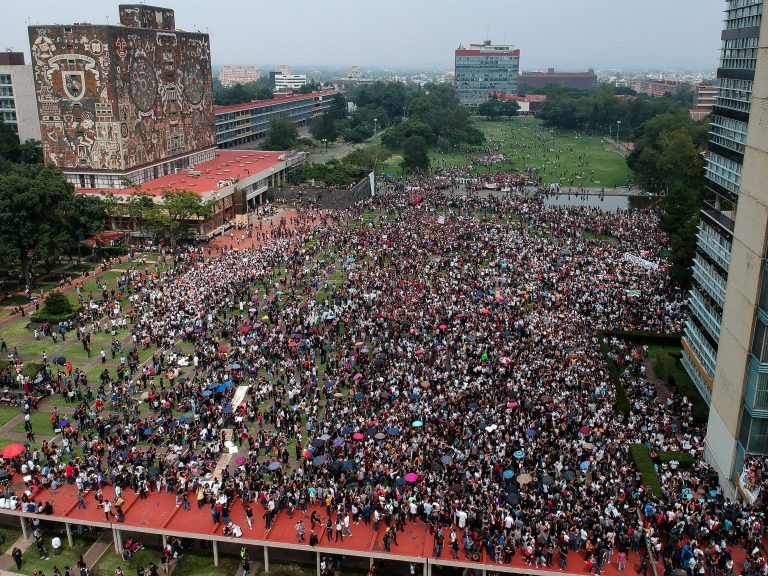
(114, 98)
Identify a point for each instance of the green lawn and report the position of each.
(107, 564)
(200, 563)
(10, 534)
(32, 562)
(7, 414)
(41, 424)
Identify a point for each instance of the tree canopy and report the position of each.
(282, 134)
(415, 154)
(494, 108)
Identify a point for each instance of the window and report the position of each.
(760, 342)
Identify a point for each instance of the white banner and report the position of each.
(642, 262)
(372, 180)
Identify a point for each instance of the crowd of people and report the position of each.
(434, 362)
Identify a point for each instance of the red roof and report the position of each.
(262, 103)
(237, 164)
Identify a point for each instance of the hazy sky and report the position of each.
(562, 33)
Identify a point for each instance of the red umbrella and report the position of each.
(13, 450)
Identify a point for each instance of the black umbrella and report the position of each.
(513, 498)
(176, 350)
(317, 443)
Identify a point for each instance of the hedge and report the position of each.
(622, 400)
(642, 458)
(41, 316)
(30, 369)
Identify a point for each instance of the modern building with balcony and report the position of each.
(726, 334)
(18, 101)
(240, 124)
(485, 69)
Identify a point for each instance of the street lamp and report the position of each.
(618, 125)
(325, 145)
(375, 125)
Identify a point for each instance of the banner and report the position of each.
(372, 180)
(642, 262)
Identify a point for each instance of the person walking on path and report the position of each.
(17, 555)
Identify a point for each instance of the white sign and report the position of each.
(372, 180)
(642, 262)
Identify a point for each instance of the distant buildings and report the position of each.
(240, 124)
(129, 101)
(529, 81)
(652, 87)
(18, 102)
(529, 104)
(287, 82)
(231, 75)
(354, 78)
(484, 69)
(704, 98)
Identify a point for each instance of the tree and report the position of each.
(282, 134)
(10, 150)
(179, 210)
(368, 158)
(415, 154)
(35, 204)
(57, 304)
(682, 247)
(338, 108)
(323, 128)
(494, 108)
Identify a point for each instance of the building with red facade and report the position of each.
(133, 101)
(529, 81)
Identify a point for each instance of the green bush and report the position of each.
(41, 316)
(57, 304)
(642, 458)
(622, 401)
(111, 251)
(665, 365)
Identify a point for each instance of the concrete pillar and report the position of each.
(370, 562)
(425, 569)
(215, 553)
(266, 559)
(24, 529)
(68, 528)
(165, 540)
(117, 538)
(318, 563)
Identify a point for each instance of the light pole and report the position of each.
(325, 145)
(375, 125)
(618, 125)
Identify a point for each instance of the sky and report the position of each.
(567, 34)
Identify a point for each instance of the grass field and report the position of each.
(564, 157)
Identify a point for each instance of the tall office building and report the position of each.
(130, 101)
(726, 334)
(485, 69)
(18, 103)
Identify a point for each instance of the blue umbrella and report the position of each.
(400, 481)
(417, 424)
(446, 460)
(221, 388)
(207, 393)
(338, 442)
(229, 383)
(358, 396)
(347, 465)
(393, 431)
(182, 419)
(274, 466)
(347, 430)
(228, 410)
(414, 396)
(148, 431)
(584, 465)
(530, 432)
(518, 454)
(351, 259)
(508, 474)
(473, 406)
(319, 460)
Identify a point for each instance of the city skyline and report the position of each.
(606, 33)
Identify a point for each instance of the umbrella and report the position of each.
(347, 465)
(511, 404)
(547, 479)
(183, 379)
(393, 431)
(569, 475)
(411, 477)
(585, 429)
(588, 446)
(265, 318)
(371, 431)
(235, 366)
(153, 471)
(346, 430)
(505, 360)
(417, 424)
(318, 443)
(60, 360)
(379, 436)
(306, 453)
(446, 460)
(442, 326)
(176, 349)
(546, 398)
(357, 377)
(220, 388)
(524, 478)
(148, 431)
(530, 432)
(319, 460)
(65, 421)
(508, 474)
(420, 351)
(338, 442)
(325, 437)
(357, 436)
(584, 465)
(12, 450)
(228, 410)
(425, 384)
(358, 396)
(518, 454)
(513, 498)
(338, 395)
(277, 465)
(38, 379)
(473, 406)
(240, 461)
(351, 259)
(207, 393)
(400, 481)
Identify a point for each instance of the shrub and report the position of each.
(642, 458)
(57, 304)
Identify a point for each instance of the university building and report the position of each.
(484, 69)
(528, 81)
(726, 333)
(18, 103)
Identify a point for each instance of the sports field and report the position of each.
(564, 157)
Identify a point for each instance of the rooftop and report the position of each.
(262, 103)
(228, 166)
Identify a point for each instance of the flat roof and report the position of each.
(262, 103)
(236, 164)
